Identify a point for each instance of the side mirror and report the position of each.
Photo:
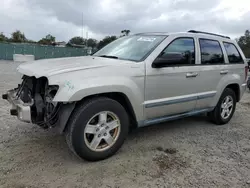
(169, 59)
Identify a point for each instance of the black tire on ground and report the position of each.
(215, 115)
(80, 117)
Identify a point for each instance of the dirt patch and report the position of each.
(170, 150)
(167, 150)
(159, 148)
(167, 162)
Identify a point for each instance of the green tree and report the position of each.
(84, 42)
(244, 43)
(125, 32)
(31, 41)
(106, 41)
(18, 36)
(3, 38)
(92, 43)
(47, 40)
(50, 38)
(77, 41)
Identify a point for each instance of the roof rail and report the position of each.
(194, 31)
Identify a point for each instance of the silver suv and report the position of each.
(135, 81)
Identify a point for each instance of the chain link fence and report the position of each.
(40, 52)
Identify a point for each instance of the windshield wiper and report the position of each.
(108, 56)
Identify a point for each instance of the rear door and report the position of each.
(213, 68)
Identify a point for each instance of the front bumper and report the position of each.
(19, 108)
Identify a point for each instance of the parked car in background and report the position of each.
(137, 80)
(248, 62)
(248, 81)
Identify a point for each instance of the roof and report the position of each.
(189, 33)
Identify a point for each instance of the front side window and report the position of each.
(181, 51)
(232, 53)
(211, 52)
(134, 47)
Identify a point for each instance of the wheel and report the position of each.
(225, 108)
(97, 129)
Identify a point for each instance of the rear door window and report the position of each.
(211, 52)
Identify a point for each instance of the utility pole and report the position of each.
(86, 37)
(82, 24)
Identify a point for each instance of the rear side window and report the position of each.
(232, 53)
(211, 52)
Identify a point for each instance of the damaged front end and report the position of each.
(32, 102)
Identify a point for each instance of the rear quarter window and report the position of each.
(232, 53)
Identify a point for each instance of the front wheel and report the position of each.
(97, 129)
(225, 108)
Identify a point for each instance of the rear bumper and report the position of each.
(243, 89)
(19, 108)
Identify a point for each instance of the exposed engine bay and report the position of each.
(37, 92)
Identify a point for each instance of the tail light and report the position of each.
(246, 72)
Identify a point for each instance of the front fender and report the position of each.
(76, 90)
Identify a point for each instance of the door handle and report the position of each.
(224, 72)
(191, 74)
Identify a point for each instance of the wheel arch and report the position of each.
(117, 96)
(229, 81)
(236, 88)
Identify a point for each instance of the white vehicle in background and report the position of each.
(248, 81)
(135, 81)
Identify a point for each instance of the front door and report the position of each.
(171, 89)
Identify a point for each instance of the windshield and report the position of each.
(134, 48)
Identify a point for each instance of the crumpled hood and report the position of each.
(49, 67)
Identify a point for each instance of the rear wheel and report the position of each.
(225, 108)
(97, 129)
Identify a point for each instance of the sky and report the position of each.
(64, 18)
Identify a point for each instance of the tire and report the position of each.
(216, 115)
(80, 142)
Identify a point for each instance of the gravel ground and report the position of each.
(190, 152)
